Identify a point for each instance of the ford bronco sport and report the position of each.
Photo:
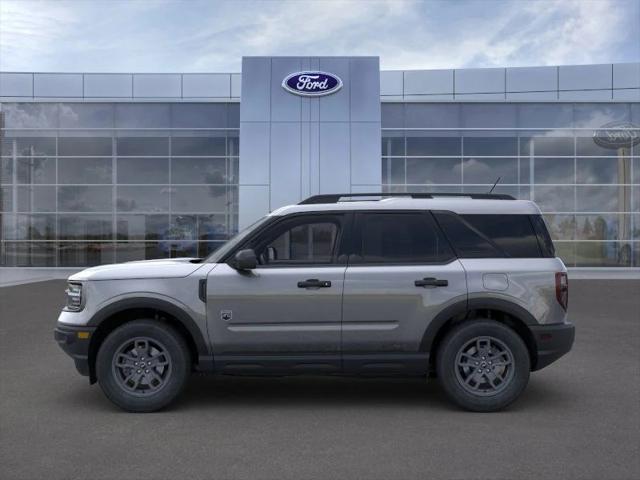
(463, 287)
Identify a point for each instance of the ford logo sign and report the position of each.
(617, 135)
(312, 84)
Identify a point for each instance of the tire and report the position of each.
(147, 388)
(468, 349)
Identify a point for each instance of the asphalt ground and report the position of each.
(579, 418)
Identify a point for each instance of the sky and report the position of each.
(212, 36)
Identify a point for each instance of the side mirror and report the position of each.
(245, 260)
(272, 254)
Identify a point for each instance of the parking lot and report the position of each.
(579, 418)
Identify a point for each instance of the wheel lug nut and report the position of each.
(139, 371)
(135, 363)
(477, 363)
(487, 370)
(482, 358)
(147, 371)
(479, 370)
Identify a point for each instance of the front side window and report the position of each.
(400, 238)
(300, 241)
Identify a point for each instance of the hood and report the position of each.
(164, 268)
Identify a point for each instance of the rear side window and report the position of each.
(400, 238)
(513, 234)
(486, 236)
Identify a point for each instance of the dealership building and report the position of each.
(101, 168)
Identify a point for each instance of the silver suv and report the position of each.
(463, 287)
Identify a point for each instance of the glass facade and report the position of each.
(589, 193)
(86, 184)
(91, 183)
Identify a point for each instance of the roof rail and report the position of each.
(335, 197)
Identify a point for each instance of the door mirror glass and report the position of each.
(245, 260)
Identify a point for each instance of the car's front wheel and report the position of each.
(143, 365)
(483, 365)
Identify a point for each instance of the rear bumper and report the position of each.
(74, 345)
(552, 342)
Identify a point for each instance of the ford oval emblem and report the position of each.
(312, 84)
(617, 135)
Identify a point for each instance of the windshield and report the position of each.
(221, 252)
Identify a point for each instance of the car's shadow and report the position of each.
(210, 392)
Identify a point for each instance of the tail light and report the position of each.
(562, 289)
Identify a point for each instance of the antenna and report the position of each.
(494, 185)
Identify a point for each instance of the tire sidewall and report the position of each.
(176, 349)
(446, 365)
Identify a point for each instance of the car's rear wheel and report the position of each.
(483, 365)
(143, 365)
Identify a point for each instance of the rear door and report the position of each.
(401, 275)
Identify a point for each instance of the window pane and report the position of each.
(198, 170)
(199, 115)
(503, 146)
(6, 199)
(34, 146)
(603, 170)
(35, 227)
(36, 199)
(6, 169)
(201, 199)
(392, 146)
(198, 146)
(603, 254)
(143, 199)
(596, 114)
(552, 170)
(603, 227)
(142, 115)
(428, 146)
(544, 116)
(142, 146)
(308, 243)
(561, 227)
(142, 227)
(514, 234)
(547, 146)
(425, 115)
(393, 170)
(82, 254)
(554, 199)
(29, 254)
(143, 170)
(78, 170)
(36, 170)
(85, 199)
(79, 146)
(85, 227)
(30, 115)
(87, 115)
(487, 170)
(212, 227)
(392, 115)
(602, 199)
(434, 170)
(399, 238)
(467, 243)
(131, 251)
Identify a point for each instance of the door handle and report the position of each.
(431, 282)
(314, 283)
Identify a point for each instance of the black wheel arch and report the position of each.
(122, 311)
(503, 311)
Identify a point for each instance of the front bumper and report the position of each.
(552, 342)
(75, 343)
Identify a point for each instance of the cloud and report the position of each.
(163, 36)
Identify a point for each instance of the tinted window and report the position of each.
(513, 234)
(468, 242)
(544, 239)
(309, 242)
(400, 238)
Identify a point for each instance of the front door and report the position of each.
(401, 275)
(285, 314)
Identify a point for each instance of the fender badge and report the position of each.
(226, 315)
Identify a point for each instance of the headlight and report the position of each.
(74, 297)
